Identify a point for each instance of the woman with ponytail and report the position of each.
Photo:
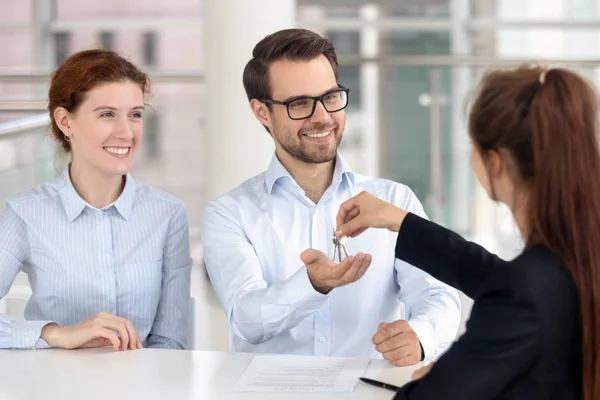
(534, 330)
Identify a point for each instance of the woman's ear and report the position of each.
(63, 120)
(496, 163)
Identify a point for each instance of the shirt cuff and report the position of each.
(27, 335)
(426, 337)
(299, 290)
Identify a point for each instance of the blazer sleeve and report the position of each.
(444, 254)
(500, 344)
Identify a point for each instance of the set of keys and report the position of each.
(339, 245)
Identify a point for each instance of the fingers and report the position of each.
(111, 336)
(388, 331)
(421, 372)
(351, 220)
(103, 342)
(349, 275)
(398, 343)
(101, 330)
(132, 339)
(311, 256)
(358, 268)
(418, 374)
(353, 227)
(406, 361)
(399, 353)
(346, 208)
(367, 211)
(363, 267)
(97, 342)
(352, 214)
(133, 335)
(339, 271)
(351, 269)
(127, 333)
(358, 232)
(324, 273)
(119, 326)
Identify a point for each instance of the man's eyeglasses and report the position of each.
(304, 107)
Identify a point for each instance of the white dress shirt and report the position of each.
(253, 237)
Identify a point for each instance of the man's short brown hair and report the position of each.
(287, 44)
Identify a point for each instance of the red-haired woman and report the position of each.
(107, 257)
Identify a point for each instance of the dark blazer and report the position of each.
(523, 339)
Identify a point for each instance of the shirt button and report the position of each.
(322, 339)
(316, 210)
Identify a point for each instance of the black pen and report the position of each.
(380, 384)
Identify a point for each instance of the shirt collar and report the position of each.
(124, 204)
(277, 171)
(74, 204)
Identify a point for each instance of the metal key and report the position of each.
(339, 245)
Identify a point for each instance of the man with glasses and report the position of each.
(268, 243)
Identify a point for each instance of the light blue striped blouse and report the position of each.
(131, 258)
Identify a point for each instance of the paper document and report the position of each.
(301, 374)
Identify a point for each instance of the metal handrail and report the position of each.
(21, 126)
(451, 60)
(44, 75)
(456, 60)
(194, 22)
(472, 24)
(23, 106)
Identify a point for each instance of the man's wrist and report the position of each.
(322, 290)
(317, 287)
(425, 336)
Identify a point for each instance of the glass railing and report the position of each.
(27, 155)
(27, 158)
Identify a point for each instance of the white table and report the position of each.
(150, 374)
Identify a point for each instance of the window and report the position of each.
(345, 42)
(348, 43)
(151, 124)
(62, 47)
(151, 144)
(149, 49)
(107, 40)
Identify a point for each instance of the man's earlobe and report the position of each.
(262, 114)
